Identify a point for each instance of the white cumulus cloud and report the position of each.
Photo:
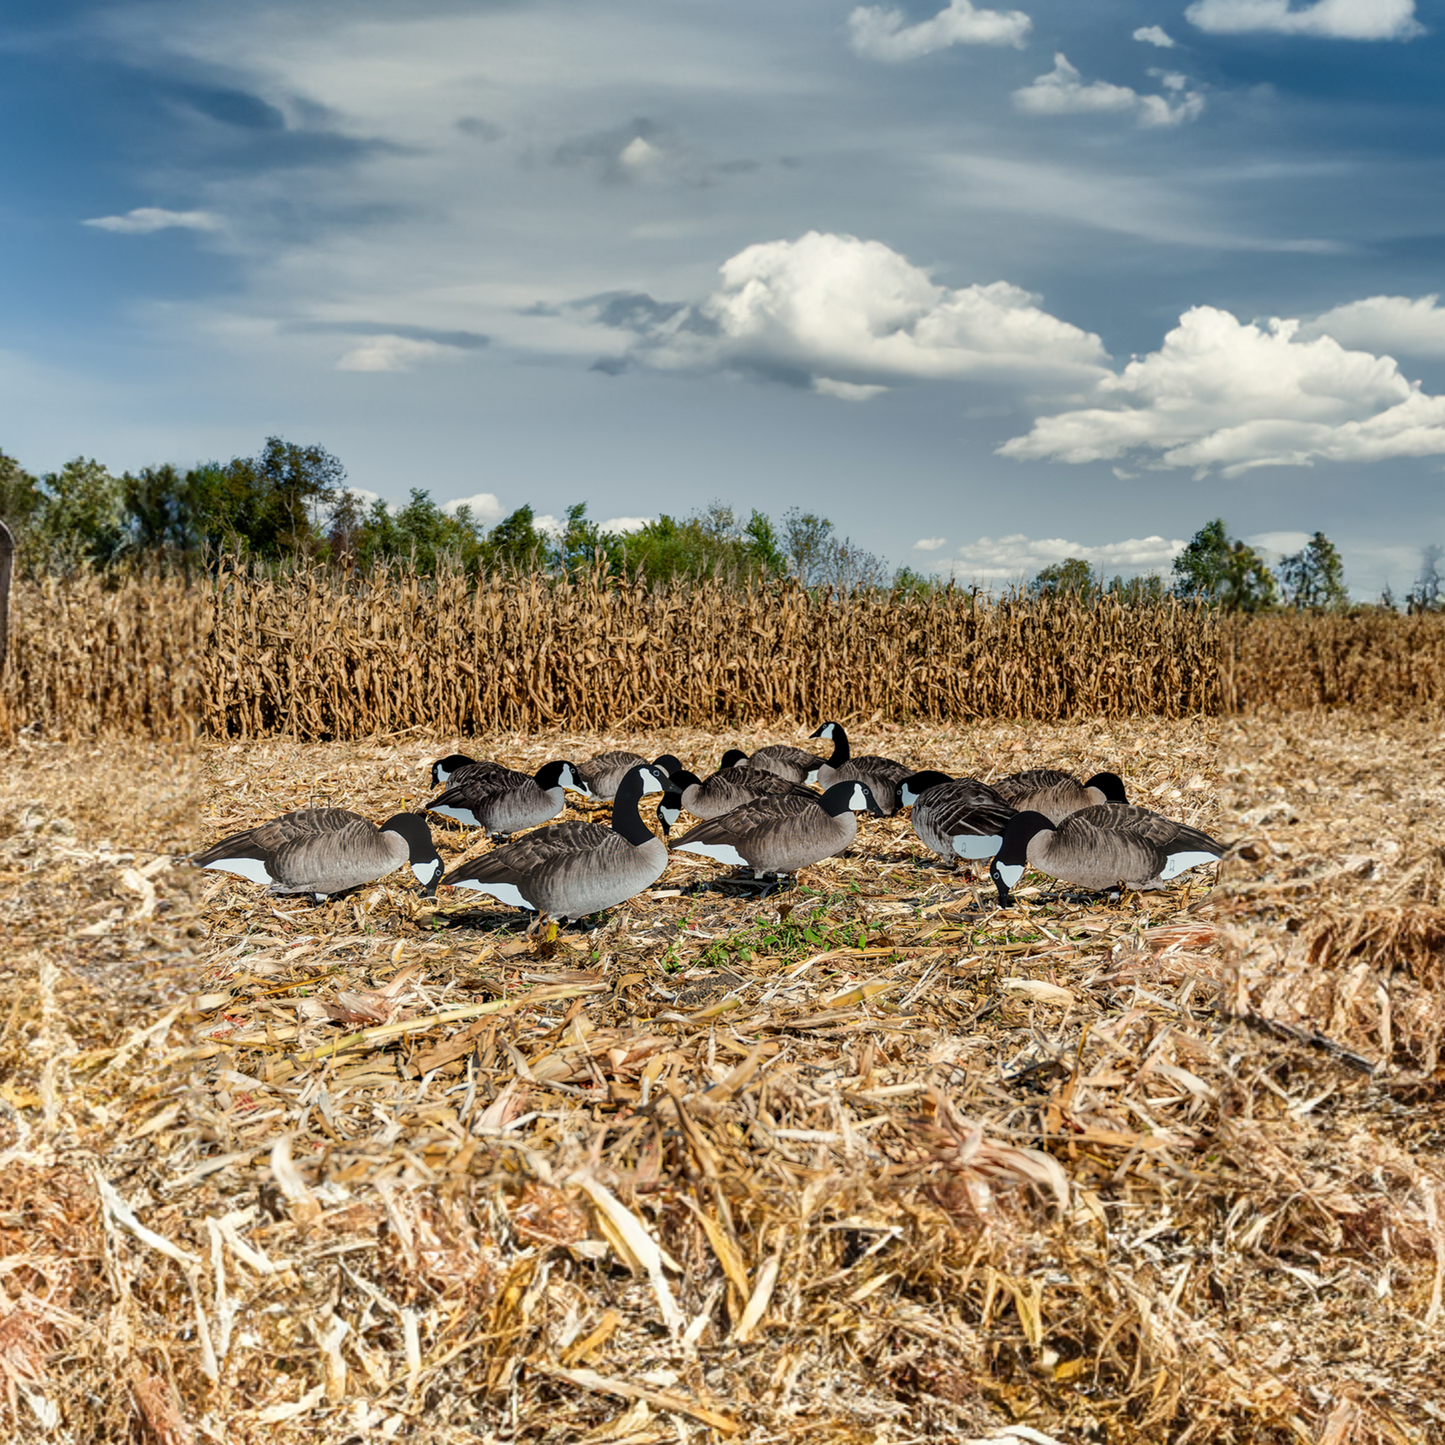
(485, 507)
(392, 353)
(1412, 325)
(929, 544)
(1226, 394)
(1062, 92)
(621, 525)
(1019, 557)
(881, 32)
(1333, 19)
(846, 317)
(1155, 35)
(846, 390)
(145, 219)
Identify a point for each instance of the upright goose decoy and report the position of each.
(602, 775)
(1056, 794)
(322, 851)
(1113, 845)
(958, 818)
(572, 870)
(882, 775)
(783, 834)
(502, 800)
(726, 789)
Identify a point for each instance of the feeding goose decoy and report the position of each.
(602, 775)
(1113, 845)
(782, 760)
(958, 818)
(883, 775)
(1056, 794)
(502, 800)
(726, 789)
(783, 834)
(322, 851)
(572, 870)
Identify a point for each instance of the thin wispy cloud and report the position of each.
(1331, 19)
(1062, 91)
(1019, 557)
(1226, 395)
(882, 32)
(145, 219)
(929, 544)
(394, 353)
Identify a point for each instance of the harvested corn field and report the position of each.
(867, 1158)
(312, 656)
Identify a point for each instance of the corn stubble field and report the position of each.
(866, 1159)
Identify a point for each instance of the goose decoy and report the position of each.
(883, 775)
(572, 870)
(322, 851)
(958, 818)
(1056, 794)
(793, 765)
(783, 834)
(502, 800)
(726, 789)
(603, 774)
(1112, 845)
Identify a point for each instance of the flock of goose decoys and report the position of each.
(777, 811)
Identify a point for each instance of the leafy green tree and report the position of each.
(806, 541)
(1073, 575)
(1199, 570)
(1248, 585)
(20, 496)
(270, 505)
(1313, 579)
(582, 542)
(761, 546)
(515, 543)
(1138, 591)
(82, 516)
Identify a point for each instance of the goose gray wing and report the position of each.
(604, 773)
(773, 835)
(785, 761)
(1182, 846)
(1111, 844)
(565, 872)
(731, 788)
(501, 801)
(311, 850)
(1050, 791)
(259, 843)
(961, 819)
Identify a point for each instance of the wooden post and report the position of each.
(7, 565)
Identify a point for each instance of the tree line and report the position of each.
(290, 500)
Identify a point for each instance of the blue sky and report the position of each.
(986, 286)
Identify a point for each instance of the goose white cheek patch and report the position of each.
(1180, 862)
(669, 815)
(722, 852)
(651, 784)
(426, 872)
(811, 778)
(252, 868)
(1010, 873)
(970, 845)
(502, 892)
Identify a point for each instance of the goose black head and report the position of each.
(1013, 854)
(443, 768)
(559, 774)
(913, 787)
(733, 758)
(1111, 785)
(850, 794)
(425, 861)
(680, 780)
(667, 765)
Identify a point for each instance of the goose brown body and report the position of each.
(1056, 794)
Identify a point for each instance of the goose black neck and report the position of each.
(625, 818)
(922, 782)
(418, 836)
(681, 780)
(839, 798)
(1022, 828)
(840, 742)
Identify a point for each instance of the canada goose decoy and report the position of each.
(1113, 845)
(502, 800)
(572, 870)
(1056, 794)
(958, 818)
(883, 775)
(783, 834)
(726, 789)
(782, 760)
(603, 775)
(326, 850)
